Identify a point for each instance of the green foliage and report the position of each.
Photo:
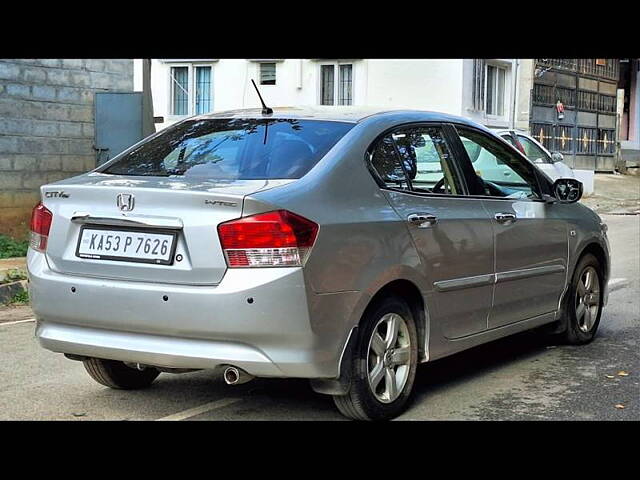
(12, 248)
(20, 298)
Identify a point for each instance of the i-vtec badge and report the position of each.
(220, 202)
(125, 202)
(56, 195)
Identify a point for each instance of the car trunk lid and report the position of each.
(188, 209)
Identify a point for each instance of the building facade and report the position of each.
(482, 90)
(574, 110)
(47, 126)
(629, 112)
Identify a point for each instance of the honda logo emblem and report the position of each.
(125, 202)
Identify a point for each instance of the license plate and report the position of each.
(126, 245)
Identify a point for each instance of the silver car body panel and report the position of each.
(472, 273)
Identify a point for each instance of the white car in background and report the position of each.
(550, 163)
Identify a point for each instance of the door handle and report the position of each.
(506, 218)
(422, 220)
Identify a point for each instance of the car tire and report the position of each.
(115, 374)
(383, 369)
(584, 302)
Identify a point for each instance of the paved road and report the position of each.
(518, 378)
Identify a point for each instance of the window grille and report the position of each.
(587, 140)
(203, 90)
(606, 141)
(479, 67)
(544, 134)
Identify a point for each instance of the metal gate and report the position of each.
(118, 123)
(587, 134)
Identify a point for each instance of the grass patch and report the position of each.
(20, 298)
(10, 248)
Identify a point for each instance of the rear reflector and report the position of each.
(272, 239)
(40, 224)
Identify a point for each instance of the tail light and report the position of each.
(40, 225)
(272, 239)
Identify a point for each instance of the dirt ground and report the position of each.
(615, 194)
(14, 313)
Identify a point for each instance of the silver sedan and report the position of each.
(311, 243)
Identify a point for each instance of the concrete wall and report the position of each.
(47, 126)
(523, 95)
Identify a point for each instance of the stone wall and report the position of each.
(47, 126)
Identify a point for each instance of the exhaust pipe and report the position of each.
(236, 376)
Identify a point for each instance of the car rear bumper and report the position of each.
(255, 319)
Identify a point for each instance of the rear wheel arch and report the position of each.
(410, 293)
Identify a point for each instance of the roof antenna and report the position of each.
(265, 110)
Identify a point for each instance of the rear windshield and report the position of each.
(243, 149)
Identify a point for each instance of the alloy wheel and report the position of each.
(389, 357)
(587, 302)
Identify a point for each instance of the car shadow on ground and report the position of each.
(293, 399)
(479, 360)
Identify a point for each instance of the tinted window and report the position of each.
(233, 149)
(386, 163)
(427, 160)
(502, 172)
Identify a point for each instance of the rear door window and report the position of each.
(386, 163)
(428, 160)
(229, 149)
(416, 159)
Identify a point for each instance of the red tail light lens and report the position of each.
(272, 239)
(40, 224)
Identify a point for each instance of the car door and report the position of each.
(531, 244)
(452, 234)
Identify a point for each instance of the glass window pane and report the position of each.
(532, 151)
(496, 82)
(327, 78)
(267, 74)
(499, 101)
(491, 81)
(428, 161)
(386, 163)
(501, 171)
(180, 90)
(346, 85)
(203, 90)
(230, 149)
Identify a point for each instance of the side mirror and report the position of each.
(567, 190)
(557, 157)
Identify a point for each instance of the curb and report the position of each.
(9, 290)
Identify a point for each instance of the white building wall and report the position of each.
(442, 85)
(418, 84)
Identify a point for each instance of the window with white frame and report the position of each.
(336, 84)
(267, 73)
(190, 91)
(495, 97)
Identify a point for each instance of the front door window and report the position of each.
(501, 171)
